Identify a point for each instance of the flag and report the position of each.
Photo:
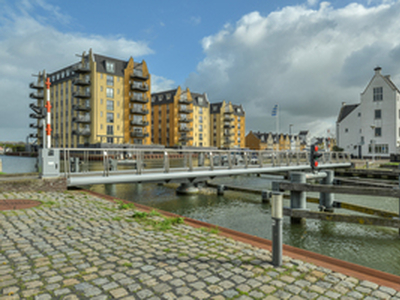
(274, 110)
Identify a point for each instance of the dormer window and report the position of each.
(168, 96)
(110, 67)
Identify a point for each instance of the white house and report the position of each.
(371, 127)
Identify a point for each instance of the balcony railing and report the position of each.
(138, 74)
(81, 81)
(185, 138)
(39, 95)
(82, 132)
(185, 110)
(185, 129)
(185, 120)
(79, 68)
(139, 99)
(140, 86)
(81, 108)
(228, 119)
(228, 112)
(184, 101)
(81, 94)
(81, 119)
(139, 134)
(139, 123)
(36, 85)
(139, 111)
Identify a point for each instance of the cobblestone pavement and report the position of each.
(77, 246)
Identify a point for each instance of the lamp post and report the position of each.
(290, 128)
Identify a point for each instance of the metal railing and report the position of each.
(107, 162)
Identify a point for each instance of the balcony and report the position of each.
(35, 125)
(82, 132)
(139, 123)
(138, 74)
(185, 129)
(184, 101)
(139, 99)
(38, 95)
(82, 95)
(228, 119)
(81, 82)
(228, 141)
(185, 110)
(228, 133)
(81, 119)
(185, 120)
(139, 111)
(79, 68)
(139, 87)
(139, 134)
(228, 126)
(36, 85)
(228, 112)
(81, 108)
(185, 138)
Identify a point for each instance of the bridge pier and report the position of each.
(265, 196)
(220, 190)
(187, 189)
(326, 199)
(298, 200)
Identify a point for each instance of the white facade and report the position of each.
(371, 128)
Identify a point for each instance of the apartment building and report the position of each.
(272, 141)
(227, 125)
(371, 127)
(100, 100)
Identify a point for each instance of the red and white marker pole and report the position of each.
(48, 119)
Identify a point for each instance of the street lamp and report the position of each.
(290, 128)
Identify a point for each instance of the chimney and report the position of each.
(343, 104)
(377, 70)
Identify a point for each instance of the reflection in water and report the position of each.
(375, 247)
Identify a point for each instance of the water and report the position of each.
(374, 247)
(16, 164)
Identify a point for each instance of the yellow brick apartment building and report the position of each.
(99, 100)
(180, 118)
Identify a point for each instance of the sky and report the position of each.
(306, 56)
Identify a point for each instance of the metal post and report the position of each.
(399, 199)
(220, 190)
(265, 196)
(298, 199)
(277, 214)
(166, 162)
(326, 199)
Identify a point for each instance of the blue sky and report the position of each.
(306, 56)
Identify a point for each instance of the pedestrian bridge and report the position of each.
(111, 166)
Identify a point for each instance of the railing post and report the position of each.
(326, 199)
(166, 162)
(229, 160)
(139, 162)
(298, 199)
(287, 158)
(211, 161)
(260, 158)
(105, 163)
(190, 161)
(297, 158)
(246, 160)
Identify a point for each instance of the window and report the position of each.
(200, 136)
(110, 130)
(378, 131)
(200, 110)
(110, 80)
(378, 113)
(101, 88)
(110, 93)
(200, 128)
(110, 105)
(359, 114)
(110, 67)
(201, 119)
(378, 94)
(110, 117)
(346, 130)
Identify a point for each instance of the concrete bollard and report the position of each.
(298, 200)
(220, 190)
(326, 199)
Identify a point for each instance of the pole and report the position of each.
(48, 107)
(277, 215)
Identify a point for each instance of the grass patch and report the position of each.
(125, 206)
(160, 223)
(117, 218)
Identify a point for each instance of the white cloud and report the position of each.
(159, 83)
(306, 60)
(28, 44)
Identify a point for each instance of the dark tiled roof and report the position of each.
(345, 111)
(161, 97)
(238, 110)
(119, 65)
(215, 108)
(196, 96)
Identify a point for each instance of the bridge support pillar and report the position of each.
(220, 190)
(298, 200)
(187, 189)
(326, 199)
(265, 196)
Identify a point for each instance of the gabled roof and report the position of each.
(386, 78)
(345, 111)
(163, 97)
(196, 99)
